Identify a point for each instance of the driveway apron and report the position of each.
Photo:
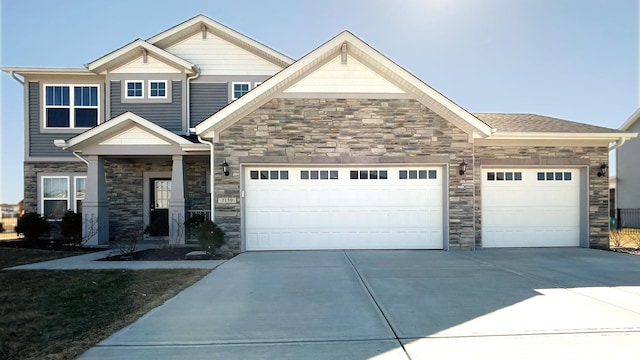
(499, 304)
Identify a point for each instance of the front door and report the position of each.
(159, 211)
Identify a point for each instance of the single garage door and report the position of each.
(375, 207)
(530, 207)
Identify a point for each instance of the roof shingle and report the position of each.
(525, 123)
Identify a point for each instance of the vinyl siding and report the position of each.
(41, 144)
(206, 99)
(167, 115)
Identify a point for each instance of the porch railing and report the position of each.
(205, 214)
(628, 219)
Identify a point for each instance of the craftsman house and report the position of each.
(341, 149)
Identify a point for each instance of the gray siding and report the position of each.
(168, 115)
(41, 144)
(206, 99)
(628, 172)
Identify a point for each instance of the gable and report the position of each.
(153, 65)
(216, 56)
(134, 136)
(349, 76)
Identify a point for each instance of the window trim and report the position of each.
(233, 88)
(72, 107)
(126, 89)
(75, 191)
(166, 91)
(43, 198)
(71, 189)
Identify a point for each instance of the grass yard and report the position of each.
(61, 314)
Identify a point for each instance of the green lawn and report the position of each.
(61, 314)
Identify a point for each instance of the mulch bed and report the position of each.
(631, 251)
(163, 254)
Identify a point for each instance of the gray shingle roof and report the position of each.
(538, 124)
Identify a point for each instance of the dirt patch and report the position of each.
(164, 254)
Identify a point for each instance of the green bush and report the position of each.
(71, 228)
(210, 236)
(32, 225)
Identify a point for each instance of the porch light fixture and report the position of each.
(225, 168)
(603, 170)
(463, 168)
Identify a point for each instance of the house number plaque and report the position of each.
(226, 200)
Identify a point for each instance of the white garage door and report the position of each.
(302, 208)
(530, 207)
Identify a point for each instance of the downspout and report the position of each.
(211, 175)
(13, 75)
(188, 97)
(75, 153)
(618, 143)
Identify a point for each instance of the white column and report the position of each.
(177, 203)
(95, 206)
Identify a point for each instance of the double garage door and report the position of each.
(374, 207)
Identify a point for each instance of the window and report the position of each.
(318, 174)
(134, 89)
(368, 174)
(60, 193)
(554, 176)
(69, 106)
(157, 89)
(504, 176)
(240, 89)
(81, 185)
(269, 175)
(55, 196)
(417, 174)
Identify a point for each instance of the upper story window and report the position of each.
(157, 89)
(240, 88)
(135, 89)
(71, 106)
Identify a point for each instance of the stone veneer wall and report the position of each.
(346, 131)
(570, 156)
(31, 171)
(124, 180)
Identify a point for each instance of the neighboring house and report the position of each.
(9, 210)
(628, 175)
(341, 149)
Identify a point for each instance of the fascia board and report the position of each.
(560, 136)
(26, 71)
(103, 61)
(225, 30)
(632, 120)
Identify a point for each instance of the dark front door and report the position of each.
(159, 212)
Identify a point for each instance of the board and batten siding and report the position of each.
(167, 115)
(216, 56)
(206, 99)
(41, 144)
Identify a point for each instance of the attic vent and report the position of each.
(344, 54)
(144, 56)
(203, 28)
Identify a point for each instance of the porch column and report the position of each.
(177, 203)
(95, 206)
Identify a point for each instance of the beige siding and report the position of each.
(352, 77)
(152, 66)
(134, 136)
(216, 56)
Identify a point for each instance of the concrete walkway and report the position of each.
(498, 304)
(88, 262)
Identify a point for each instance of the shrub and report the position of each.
(71, 228)
(192, 224)
(210, 236)
(32, 225)
(1, 227)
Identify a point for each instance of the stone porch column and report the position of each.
(177, 202)
(95, 206)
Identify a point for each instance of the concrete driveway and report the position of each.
(498, 304)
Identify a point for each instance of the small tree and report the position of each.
(210, 236)
(32, 225)
(71, 228)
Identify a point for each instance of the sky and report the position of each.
(571, 59)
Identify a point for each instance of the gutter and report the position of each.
(618, 143)
(197, 74)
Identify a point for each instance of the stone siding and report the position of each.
(31, 171)
(569, 156)
(347, 131)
